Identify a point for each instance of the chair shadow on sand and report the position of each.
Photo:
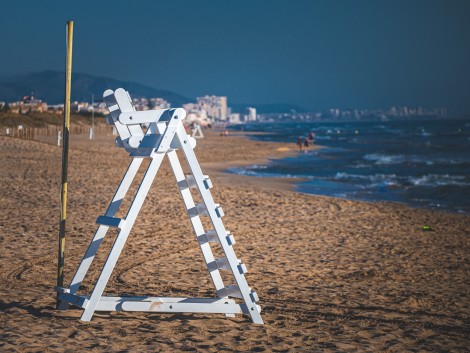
(74, 313)
(30, 308)
(408, 318)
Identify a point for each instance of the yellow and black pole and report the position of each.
(65, 157)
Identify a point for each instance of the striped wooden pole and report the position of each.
(65, 157)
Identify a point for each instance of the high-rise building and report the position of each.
(234, 118)
(251, 116)
(216, 107)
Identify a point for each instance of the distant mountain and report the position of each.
(49, 87)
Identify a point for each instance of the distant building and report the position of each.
(28, 104)
(150, 103)
(216, 107)
(99, 108)
(191, 107)
(79, 107)
(234, 118)
(56, 109)
(195, 114)
(251, 114)
(334, 113)
(159, 103)
(14, 107)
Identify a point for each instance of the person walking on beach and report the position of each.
(306, 143)
(311, 137)
(299, 143)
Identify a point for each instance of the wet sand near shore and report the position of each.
(332, 275)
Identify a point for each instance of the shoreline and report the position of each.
(265, 151)
(280, 150)
(272, 183)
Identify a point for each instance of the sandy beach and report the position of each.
(332, 275)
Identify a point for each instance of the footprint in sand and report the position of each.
(334, 207)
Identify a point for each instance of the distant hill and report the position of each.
(49, 87)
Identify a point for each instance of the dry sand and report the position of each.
(332, 275)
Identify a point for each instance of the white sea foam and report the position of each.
(439, 180)
(255, 172)
(384, 180)
(321, 138)
(388, 179)
(384, 159)
(258, 166)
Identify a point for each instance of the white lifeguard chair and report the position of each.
(197, 132)
(163, 137)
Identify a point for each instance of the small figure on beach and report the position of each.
(311, 136)
(306, 142)
(299, 143)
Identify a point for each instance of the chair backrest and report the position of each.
(119, 102)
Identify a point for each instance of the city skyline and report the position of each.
(314, 54)
(210, 109)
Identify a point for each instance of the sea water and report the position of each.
(419, 163)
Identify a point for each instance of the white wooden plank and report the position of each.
(125, 106)
(204, 308)
(168, 299)
(122, 237)
(102, 230)
(169, 134)
(195, 221)
(142, 117)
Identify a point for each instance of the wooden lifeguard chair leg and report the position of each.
(102, 230)
(117, 104)
(195, 220)
(122, 237)
(215, 213)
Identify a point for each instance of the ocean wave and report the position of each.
(390, 179)
(255, 172)
(439, 180)
(360, 165)
(388, 159)
(379, 158)
(258, 166)
(322, 138)
(386, 180)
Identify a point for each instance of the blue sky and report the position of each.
(317, 54)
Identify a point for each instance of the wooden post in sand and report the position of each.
(65, 155)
